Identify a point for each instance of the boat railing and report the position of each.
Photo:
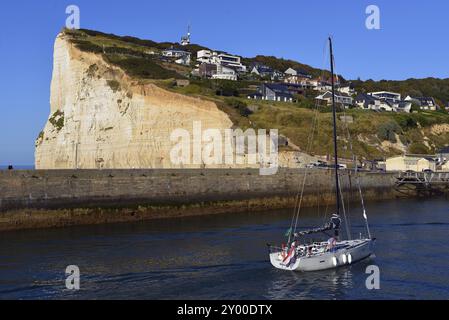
(274, 249)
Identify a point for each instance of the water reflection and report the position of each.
(225, 257)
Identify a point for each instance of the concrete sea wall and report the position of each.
(33, 199)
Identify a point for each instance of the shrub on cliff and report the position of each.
(57, 120)
(387, 131)
(142, 68)
(114, 85)
(418, 148)
(241, 106)
(87, 46)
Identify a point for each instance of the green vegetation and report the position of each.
(368, 131)
(57, 120)
(142, 68)
(129, 53)
(114, 85)
(429, 87)
(239, 105)
(92, 70)
(418, 148)
(40, 138)
(388, 131)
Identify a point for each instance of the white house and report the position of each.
(296, 72)
(211, 57)
(347, 89)
(184, 60)
(324, 86)
(340, 98)
(386, 96)
(371, 102)
(368, 102)
(204, 56)
(174, 53)
(225, 73)
(424, 103)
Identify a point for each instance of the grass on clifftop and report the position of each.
(132, 55)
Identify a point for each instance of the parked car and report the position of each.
(318, 164)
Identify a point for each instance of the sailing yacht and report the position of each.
(335, 252)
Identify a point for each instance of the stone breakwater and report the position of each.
(55, 198)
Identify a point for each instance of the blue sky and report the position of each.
(412, 42)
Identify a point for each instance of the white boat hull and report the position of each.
(351, 252)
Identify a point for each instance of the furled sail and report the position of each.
(334, 224)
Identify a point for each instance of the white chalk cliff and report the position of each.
(101, 118)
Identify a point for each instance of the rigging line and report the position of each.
(309, 146)
(299, 196)
(348, 233)
(357, 175)
(348, 201)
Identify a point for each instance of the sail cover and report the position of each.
(334, 224)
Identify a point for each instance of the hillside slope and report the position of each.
(114, 102)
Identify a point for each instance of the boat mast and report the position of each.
(334, 113)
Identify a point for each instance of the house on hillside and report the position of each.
(207, 70)
(296, 76)
(276, 92)
(222, 59)
(340, 98)
(384, 101)
(204, 56)
(424, 103)
(225, 73)
(261, 70)
(324, 86)
(174, 53)
(184, 60)
(347, 89)
(386, 96)
(266, 72)
(401, 106)
(180, 56)
(368, 102)
(371, 102)
(298, 73)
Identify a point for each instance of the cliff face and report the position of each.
(101, 118)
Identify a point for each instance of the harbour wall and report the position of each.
(33, 199)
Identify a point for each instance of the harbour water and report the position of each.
(225, 257)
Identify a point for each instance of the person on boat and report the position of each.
(335, 225)
(331, 244)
